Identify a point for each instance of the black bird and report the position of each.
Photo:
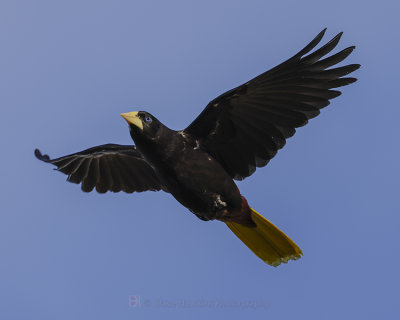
(237, 132)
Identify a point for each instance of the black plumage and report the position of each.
(254, 120)
(237, 132)
(109, 167)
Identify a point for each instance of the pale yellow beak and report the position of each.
(133, 118)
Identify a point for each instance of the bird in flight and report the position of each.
(237, 132)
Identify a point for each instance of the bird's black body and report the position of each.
(189, 173)
(237, 132)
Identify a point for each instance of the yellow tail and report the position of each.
(267, 242)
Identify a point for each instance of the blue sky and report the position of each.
(69, 68)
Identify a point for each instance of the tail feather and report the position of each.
(267, 242)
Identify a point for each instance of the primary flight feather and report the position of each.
(237, 132)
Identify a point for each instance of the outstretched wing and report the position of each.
(109, 167)
(246, 126)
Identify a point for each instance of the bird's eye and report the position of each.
(147, 119)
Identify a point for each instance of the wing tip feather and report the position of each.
(40, 156)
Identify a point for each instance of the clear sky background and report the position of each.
(69, 68)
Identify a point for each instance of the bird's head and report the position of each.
(143, 126)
